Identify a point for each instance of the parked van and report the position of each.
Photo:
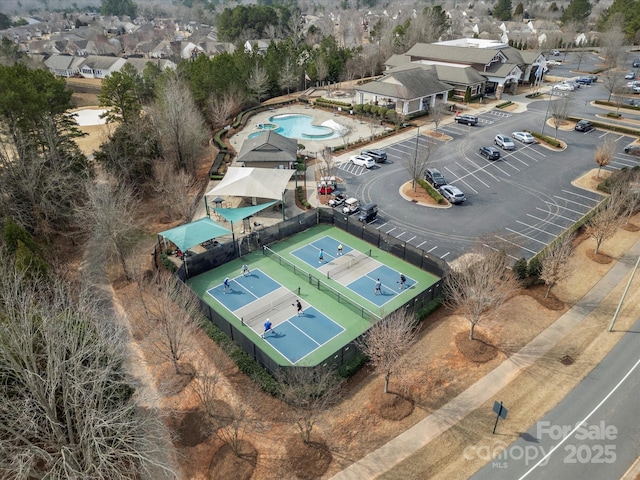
(368, 213)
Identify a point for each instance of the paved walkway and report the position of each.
(407, 443)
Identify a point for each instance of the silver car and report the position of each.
(504, 142)
(524, 137)
(452, 194)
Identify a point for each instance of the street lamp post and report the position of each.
(546, 114)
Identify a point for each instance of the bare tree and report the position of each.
(173, 191)
(181, 128)
(560, 108)
(630, 201)
(613, 82)
(605, 153)
(437, 112)
(555, 262)
(229, 421)
(416, 164)
(258, 82)
(288, 76)
(223, 107)
(322, 69)
(110, 212)
(613, 41)
(171, 319)
(66, 407)
(327, 166)
(479, 285)
(604, 222)
(387, 341)
(309, 391)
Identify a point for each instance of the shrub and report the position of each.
(431, 191)
(613, 115)
(168, 264)
(520, 269)
(611, 127)
(504, 104)
(352, 366)
(428, 309)
(551, 141)
(535, 267)
(216, 177)
(366, 108)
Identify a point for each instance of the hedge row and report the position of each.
(615, 105)
(551, 141)
(610, 127)
(303, 201)
(431, 191)
(504, 104)
(331, 103)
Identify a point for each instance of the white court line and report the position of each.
(556, 214)
(547, 221)
(525, 236)
(535, 228)
(421, 244)
(516, 245)
(582, 423)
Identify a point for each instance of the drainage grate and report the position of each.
(566, 360)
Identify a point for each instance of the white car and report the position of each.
(635, 83)
(524, 137)
(630, 76)
(564, 87)
(504, 142)
(553, 63)
(362, 161)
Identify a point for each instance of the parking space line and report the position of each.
(380, 226)
(565, 208)
(422, 244)
(495, 250)
(516, 245)
(535, 228)
(518, 159)
(495, 165)
(596, 200)
(401, 234)
(484, 168)
(442, 257)
(556, 214)
(546, 221)
(470, 174)
(391, 230)
(411, 238)
(572, 201)
(505, 160)
(526, 151)
(526, 236)
(429, 251)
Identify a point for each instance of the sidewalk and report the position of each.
(407, 443)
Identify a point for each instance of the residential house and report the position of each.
(96, 66)
(268, 150)
(64, 65)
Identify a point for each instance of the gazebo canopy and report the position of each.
(253, 182)
(191, 234)
(236, 214)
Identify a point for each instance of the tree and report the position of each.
(479, 285)
(309, 391)
(387, 341)
(519, 11)
(605, 152)
(416, 164)
(110, 212)
(67, 409)
(181, 128)
(223, 107)
(119, 8)
(258, 82)
(613, 41)
(630, 10)
(432, 24)
(613, 82)
(119, 94)
(578, 11)
(288, 76)
(172, 190)
(560, 109)
(604, 222)
(437, 112)
(502, 10)
(170, 321)
(555, 262)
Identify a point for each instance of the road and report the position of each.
(592, 433)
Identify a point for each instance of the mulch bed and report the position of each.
(189, 427)
(550, 302)
(308, 460)
(478, 350)
(392, 406)
(226, 464)
(601, 258)
(170, 383)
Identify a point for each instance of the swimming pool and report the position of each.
(295, 125)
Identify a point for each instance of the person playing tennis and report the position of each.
(298, 306)
(403, 281)
(268, 328)
(226, 285)
(378, 289)
(245, 270)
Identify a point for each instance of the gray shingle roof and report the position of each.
(268, 147)
(407, 84)
(448, 53)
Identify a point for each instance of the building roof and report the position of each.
(447, 53)
(268, 147)
(397, 60)
(465, 75)
(98, 62)
(64, 62)
(417, 82)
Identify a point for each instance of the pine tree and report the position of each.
(502, 10)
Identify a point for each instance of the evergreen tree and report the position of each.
(519, 11)
(578, 11)
(502, 10)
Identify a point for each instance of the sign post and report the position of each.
(500, 412)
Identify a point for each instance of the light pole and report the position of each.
(415, 158)
(546, 114)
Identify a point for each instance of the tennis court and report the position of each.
(354, 269)
(256, 297)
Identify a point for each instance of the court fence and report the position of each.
(259, 239)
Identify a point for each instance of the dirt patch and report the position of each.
(226, 464)
(550, 301)
(478, 350)
(392, 406)
(630, 227)
(171, 383)
(307, 460)
(189, 428)
(601, 258)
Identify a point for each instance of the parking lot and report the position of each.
(520, 202)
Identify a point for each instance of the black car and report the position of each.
(584, 81)
(379, 156)
(632, 150)
(491, 153)
(467, 119)
(434, 177)
(584, 126)
(636, 63)
(368, 213)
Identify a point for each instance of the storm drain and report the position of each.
(566, 360)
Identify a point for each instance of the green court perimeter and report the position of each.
(353, 323)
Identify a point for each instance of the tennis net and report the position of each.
(345, 263)
(322, 286)
(266, 305)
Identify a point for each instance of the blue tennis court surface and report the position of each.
(294, 336)
(390, 279)
(310, 253)
(300, 335)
